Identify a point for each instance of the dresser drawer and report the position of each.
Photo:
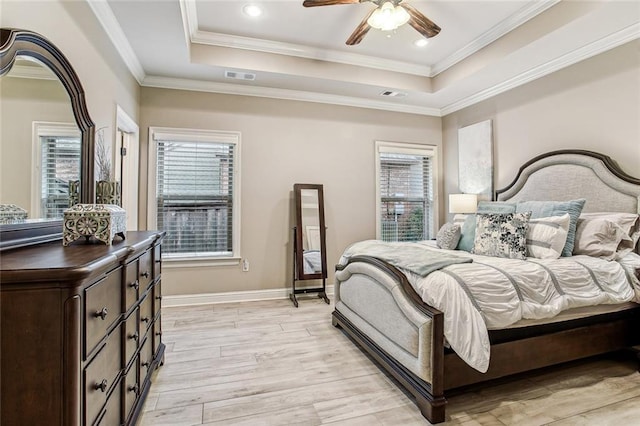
(131, 285)
(101, 308)
(146, 313)
(113, 413)
(145, 271)
(131, 388)
(131, 336)
(146, 357)
(157, 334)
(157, 261)
(101, 375)
(157, 298)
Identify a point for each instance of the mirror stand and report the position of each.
(322, 291)
(309, 236)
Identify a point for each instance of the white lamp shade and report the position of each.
(463, 203)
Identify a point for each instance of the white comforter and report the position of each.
(493, 293)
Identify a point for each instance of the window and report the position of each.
(405, 190)
(57, 159)
(196, 194)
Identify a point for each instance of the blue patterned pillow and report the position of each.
(502, 235)
(467, 222)
(540, 209)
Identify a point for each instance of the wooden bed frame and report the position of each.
(527, 349)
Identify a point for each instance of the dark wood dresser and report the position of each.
(80, 331)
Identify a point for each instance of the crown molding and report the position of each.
(190, 21)
(285, 94)
(107, 19)
(609, 42)
(523, 15)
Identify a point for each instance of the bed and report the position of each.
(379, 306)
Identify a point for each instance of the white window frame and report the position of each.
(412, 149)
(39, 129)
(196, 135)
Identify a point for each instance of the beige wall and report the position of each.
(284, 142)
(593, 105)
(74, 29)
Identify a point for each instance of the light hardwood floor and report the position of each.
(268, 363)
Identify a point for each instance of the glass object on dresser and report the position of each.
(309, 234)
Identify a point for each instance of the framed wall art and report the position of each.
(475, 160)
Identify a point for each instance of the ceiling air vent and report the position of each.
(393, 94)
(240, 75)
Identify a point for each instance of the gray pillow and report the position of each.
(502, 235)
(448, 236)
(540, 209)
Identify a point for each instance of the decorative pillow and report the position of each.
(600, 237)
(448, 236)
(467, 224)
(540, 209)
(502, 235)
(547, 236)
(496, 207)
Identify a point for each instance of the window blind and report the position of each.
(60, 164)
(194, 193)
(405, 183)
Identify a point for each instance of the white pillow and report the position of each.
(629, 224)
(599, 237)
(547, 236)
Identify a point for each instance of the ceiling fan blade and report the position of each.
(421, 23)
(313, 3)
(361, 30)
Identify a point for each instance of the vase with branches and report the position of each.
(107, 189)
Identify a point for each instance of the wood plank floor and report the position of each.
(268, 363)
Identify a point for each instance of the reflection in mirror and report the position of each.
(39, 141)
(16, 47)
(310, 260)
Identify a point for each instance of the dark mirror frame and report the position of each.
(297, 189)
(17, 42)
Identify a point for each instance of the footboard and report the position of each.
(378, 308)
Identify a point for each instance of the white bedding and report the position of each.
(492, 293)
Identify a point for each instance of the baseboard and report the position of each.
(229, 297)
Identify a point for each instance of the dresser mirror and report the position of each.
(47, 137)
(310, 256)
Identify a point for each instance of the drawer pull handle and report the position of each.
(145, 274)
(159, 333)
(158, 297)
(135, 284)
(145, 364)
(144, 319)
(135, 388)
(135, 336)
(102, 313)
(102, 386)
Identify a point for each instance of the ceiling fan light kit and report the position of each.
(387, 16)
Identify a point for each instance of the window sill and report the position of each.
(199, 262)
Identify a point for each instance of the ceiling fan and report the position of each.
(387, 16)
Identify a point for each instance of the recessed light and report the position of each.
(252, 10)
(421, 42)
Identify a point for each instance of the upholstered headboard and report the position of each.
(572, 174)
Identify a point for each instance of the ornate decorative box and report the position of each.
(101, 221)
(10, 213)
